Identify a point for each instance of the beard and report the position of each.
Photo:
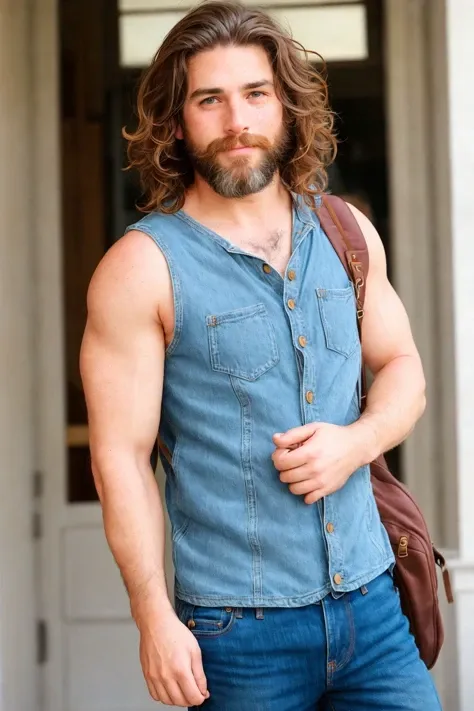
(241, 178)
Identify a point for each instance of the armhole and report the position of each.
(175, 283)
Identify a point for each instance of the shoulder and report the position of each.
(131, 278)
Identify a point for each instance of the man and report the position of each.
(225, 319)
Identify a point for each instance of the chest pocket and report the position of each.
(242, 342)
(339, 319)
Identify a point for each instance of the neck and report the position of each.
(200, 198)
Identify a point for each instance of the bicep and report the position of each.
(386, 331)
(122, 361)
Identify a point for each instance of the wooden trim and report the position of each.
(77, 436)
(409, 109)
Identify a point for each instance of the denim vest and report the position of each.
(256, 353)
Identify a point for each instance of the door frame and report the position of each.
(412, 190)
(418, 149)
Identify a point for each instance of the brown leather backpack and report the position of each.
(416, 556)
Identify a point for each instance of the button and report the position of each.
(309, 397)
(292, 275)
(291, 304)
(337, 578)
(228, 609)
(330, 527)
(267, 269)
(191, 624)
(302, 341)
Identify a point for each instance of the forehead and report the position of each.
(228, 68)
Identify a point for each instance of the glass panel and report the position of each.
(81, 487)
(338, 33)
(141, 35)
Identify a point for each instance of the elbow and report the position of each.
(422, 397)
(422, 406)
(98, 480)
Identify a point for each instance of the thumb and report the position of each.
(198, 672)
(297, 435)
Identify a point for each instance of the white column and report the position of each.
(18, 671)
(460, 182)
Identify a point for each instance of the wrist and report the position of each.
(368, 445)
(152, 611)
(149, 600)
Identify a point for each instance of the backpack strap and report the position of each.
(345, 235)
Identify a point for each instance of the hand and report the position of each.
(317, 459)
(171, 661)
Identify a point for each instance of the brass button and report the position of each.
(338, 578)
(291, 275)
(291, 304)
(330, 528)
(191, 624)
(228, 609)
(267, 269)
(309, 397)
(302, 341)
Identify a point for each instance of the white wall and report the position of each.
(17, 609)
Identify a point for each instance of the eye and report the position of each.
(208, 101)
(256, 94)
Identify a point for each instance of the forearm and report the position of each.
(134, 525)
(395, 402)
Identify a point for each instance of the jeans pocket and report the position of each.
(205, 621)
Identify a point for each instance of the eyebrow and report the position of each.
(217, 90)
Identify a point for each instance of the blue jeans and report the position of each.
(351, 653)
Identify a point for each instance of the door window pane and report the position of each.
(337, 32)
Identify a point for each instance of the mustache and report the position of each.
(228, 143)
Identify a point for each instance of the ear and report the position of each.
(179, 133)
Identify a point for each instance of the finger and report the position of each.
(291, 459)
(295, 435)
(292, 476)
(179, 697)
(304, 487)
(198, 672)
(162, 695)
(315, 496)
(190, 691)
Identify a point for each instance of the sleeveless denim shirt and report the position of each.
(256, 353)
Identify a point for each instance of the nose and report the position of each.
(236, 118)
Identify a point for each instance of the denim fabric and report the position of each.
(352, 653)
(236, 372)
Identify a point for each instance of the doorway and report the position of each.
(100, 71)
(97, 665)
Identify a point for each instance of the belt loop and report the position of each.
(364, 590)
(238, 613)
(259, 613)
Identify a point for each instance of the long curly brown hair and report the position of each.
(164, 167)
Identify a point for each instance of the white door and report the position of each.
(97, 662)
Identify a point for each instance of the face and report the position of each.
(233, 120)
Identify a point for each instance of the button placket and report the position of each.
(292, 286)
(335, 557)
